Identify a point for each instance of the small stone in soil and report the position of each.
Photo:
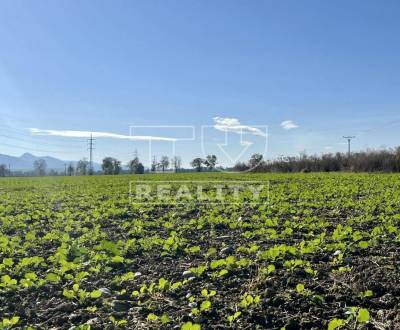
(105, 292)
(187, 273)
(337, 252)
(227, 250)
(387, 300)
(93, 321)
(73, 316)
(120, 305)
(65, 307)
(222, 237)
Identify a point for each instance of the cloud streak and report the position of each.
(234, 125)
(87, 134)
(288, 125)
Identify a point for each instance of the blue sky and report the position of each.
(330, 67)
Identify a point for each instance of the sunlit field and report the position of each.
(314, 251)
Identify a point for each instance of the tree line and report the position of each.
(387, 160)
(113, 166)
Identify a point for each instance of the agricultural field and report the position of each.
(315, 251)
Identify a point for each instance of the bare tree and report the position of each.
(154, 164)
(176, 163)
(132, 164)
(3, 170)
(135, 166)
(40, 167)
(82, 166)
(139, 169)
(255, 161)
(111, 166)
(210, 162)
(70, 169)
(196, 164)
(117, 167)
(164, 163)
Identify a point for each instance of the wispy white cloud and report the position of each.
(86, 134)
(234, 125)
(288, 125)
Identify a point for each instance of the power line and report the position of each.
(37, 142)
(36, 150)
(23, 132)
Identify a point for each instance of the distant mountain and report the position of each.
(25, 162)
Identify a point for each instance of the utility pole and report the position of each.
(349, 138)
(65, 169)
(9, 170)
(91, 155)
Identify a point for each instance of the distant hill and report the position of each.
(25, 162)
